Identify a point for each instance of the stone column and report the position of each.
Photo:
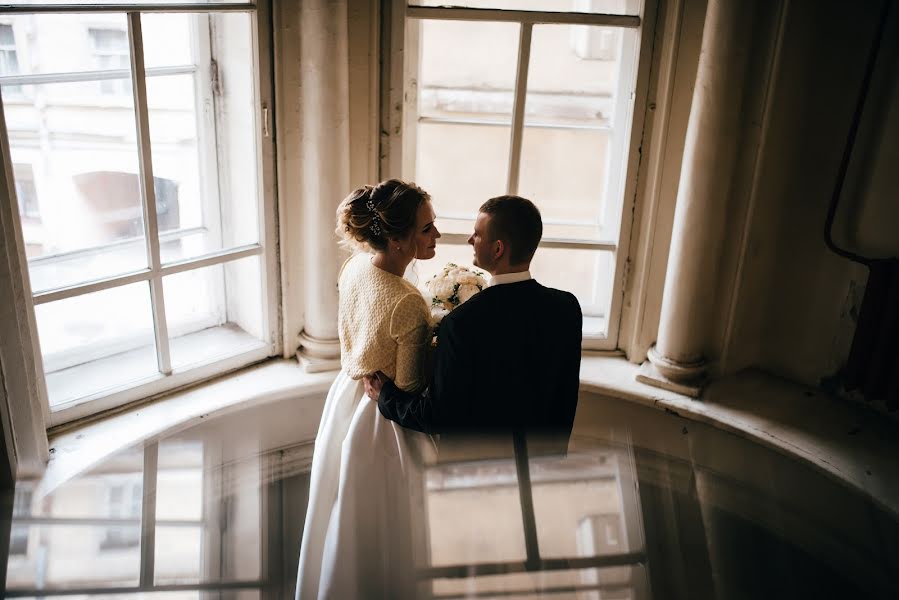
(324, 165)
(679, 359)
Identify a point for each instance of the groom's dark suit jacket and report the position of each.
(508, 359)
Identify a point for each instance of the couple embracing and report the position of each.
(506, 360)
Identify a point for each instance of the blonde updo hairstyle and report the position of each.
(394, 208)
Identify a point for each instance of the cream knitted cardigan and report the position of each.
(383, 323)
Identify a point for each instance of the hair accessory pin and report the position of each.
(375, 226)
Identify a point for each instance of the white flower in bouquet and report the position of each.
(451, 287)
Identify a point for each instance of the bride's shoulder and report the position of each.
(354, 262)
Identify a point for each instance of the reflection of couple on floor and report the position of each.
(506, 360)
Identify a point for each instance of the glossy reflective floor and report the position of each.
(636, 504)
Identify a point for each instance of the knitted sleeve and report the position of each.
(410, 327)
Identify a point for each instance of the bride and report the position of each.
(359, 539)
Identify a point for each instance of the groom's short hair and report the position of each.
(516, 221)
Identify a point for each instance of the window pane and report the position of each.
(585, 273)
(461, 166)
(466, 499)
(179, 481)
(67, 556)
(111, 490)
(612, 7)
(562, 171)
(214, 312)
(217, 537)
(203, 133)
(578, 506)
(179, 554)
(464, 109)
(176, 161)
(97, 342)
(169, 38)
(75, 150)
(72, 42)
(81, 210)
(571, 79)
(477, 78)
(573, 147)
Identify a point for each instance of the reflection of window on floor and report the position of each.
(602, 535)
(124, 503)
(561, 522)
(18, 538)
(110, 47)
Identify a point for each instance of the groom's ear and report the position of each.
(499, 248)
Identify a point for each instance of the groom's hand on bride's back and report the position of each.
(373, 384)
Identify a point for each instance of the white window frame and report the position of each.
(168, 378)
(400, 80)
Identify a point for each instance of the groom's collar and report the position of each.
(509, 278)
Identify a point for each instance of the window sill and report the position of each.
(76, 450)
(847, 442)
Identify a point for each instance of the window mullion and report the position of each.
(521, 84)
(148, 193)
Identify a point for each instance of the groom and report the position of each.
(509, 358)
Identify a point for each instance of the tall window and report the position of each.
(500, 98)
(146, 215)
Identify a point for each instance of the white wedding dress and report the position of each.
(365, 523)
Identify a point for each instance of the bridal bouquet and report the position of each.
(451, 287)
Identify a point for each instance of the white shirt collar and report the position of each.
(509, 278)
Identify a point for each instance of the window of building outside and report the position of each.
(139, 159)
(540, 105)
(26, 193)
(110, 48)
(124, 502)
(9, 59)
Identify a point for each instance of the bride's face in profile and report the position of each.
(423, 239)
